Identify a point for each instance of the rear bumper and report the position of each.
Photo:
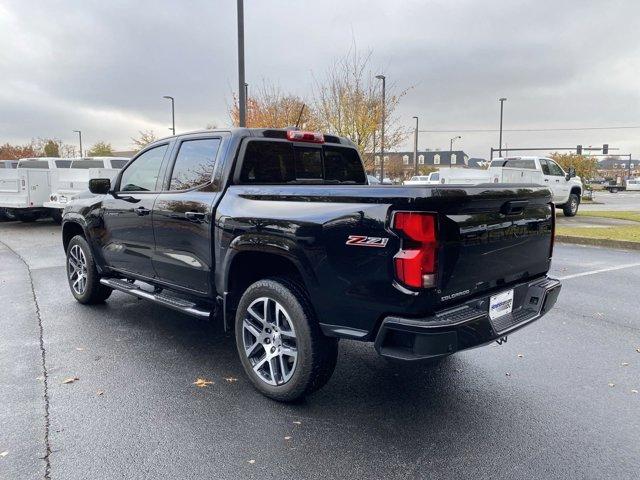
(465, 326)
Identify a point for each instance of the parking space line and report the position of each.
(601, 270)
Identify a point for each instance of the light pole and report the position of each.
(415, 149)
(502, 100)
(242, 100)
(173, 114)
(451, 147)
(246, 101)
(384, 79)
(79, 138)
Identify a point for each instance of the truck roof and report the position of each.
(277, 133)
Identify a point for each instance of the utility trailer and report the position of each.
(24, 189)
(67, 184)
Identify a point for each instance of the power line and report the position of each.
(576, 129)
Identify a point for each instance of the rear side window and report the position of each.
(267, 162)
(194, 164)
(34, 164)
(118, 163)
(63, 163)
(520, 163)
(85, 164)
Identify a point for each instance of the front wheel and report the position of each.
(571, 207)
(280, 344)
(82, 273)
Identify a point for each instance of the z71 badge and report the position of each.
(362, 241)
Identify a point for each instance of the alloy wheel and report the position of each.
(77, 269)
(269, 341)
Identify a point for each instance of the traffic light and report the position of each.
(579, 149)
(605, 148)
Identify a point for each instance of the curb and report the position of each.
(598, 242)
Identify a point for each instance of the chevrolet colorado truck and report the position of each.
(276, 234)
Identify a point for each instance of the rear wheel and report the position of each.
(280, 344)
(82, 274)
(571, 207)
(27, 217)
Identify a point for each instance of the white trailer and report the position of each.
(67, 184)
(24, 189)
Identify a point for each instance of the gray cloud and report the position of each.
(104, 66)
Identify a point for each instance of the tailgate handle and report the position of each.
(515, 207)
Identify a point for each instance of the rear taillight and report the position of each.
(415, 263)
(553, 228)
(298, 136)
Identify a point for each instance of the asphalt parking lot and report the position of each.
(559, 400)
(613, 201)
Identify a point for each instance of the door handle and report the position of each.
(141, 211)
(195, 216)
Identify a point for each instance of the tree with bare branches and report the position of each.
(144, 138)
(348, 102)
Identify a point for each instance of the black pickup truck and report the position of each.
(276, 234)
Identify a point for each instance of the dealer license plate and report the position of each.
(500, 304)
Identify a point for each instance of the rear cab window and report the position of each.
(283, 162)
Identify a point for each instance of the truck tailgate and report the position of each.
(493, 240)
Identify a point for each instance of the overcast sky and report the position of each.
(103, 66)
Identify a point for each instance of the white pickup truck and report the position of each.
(566, 188)
(67, 184)
(23, 190)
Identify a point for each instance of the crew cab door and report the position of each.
(554, 178)
(183, 215)
(129, 241)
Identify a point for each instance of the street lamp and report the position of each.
(173, 114)
(415, 149)
(383, 78)
(451, 147)
(80, 138)
(502, 100)
(242, 100)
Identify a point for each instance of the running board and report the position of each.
(175, 303)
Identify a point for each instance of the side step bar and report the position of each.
(178, 304)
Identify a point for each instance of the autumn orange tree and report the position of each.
(586, 167)
(269, 106)
(16, 152)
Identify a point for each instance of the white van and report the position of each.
(66, 184)
(24, 189)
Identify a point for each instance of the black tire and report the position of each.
(316, 353)
(10, 215)
(571, 207)
(27, 217)
(56, 215)
(93, 291)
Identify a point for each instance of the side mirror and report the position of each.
(99, 186)
(571, 173)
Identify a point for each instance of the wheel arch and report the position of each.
(576, 190)
(248, 266)
(69, 230)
